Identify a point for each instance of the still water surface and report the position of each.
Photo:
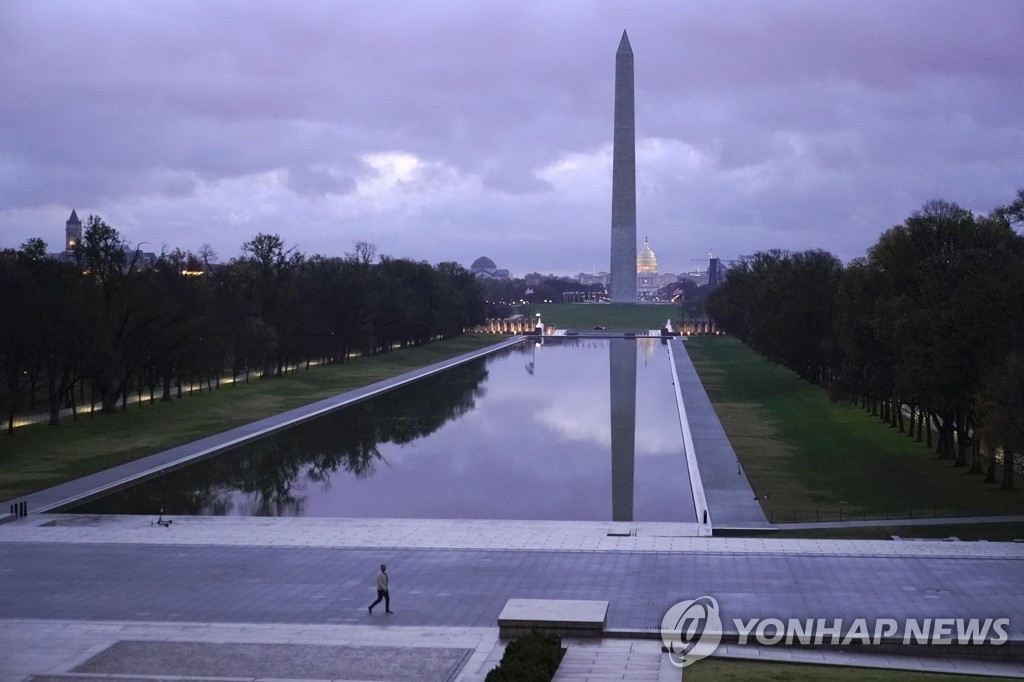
(525, 433)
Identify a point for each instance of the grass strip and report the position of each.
(611, 316)
(818, 460)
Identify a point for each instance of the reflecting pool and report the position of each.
(573, 429)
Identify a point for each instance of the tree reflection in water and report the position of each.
(270, 473)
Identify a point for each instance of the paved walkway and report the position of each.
(252, 575)
(729, 495)
(436, 534)
(590, 661)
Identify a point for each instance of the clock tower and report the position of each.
(72, 232)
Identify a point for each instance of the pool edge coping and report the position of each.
(700, 502)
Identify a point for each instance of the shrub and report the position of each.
(531, 658)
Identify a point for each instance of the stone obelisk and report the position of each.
(623, 281)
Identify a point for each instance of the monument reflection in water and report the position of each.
(524, 433)
(622, 371)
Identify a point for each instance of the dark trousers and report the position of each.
(382, 595)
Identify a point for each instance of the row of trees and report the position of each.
(502, 295)
(926, 330)
(108, 322)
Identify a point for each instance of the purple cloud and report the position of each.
(760, 125)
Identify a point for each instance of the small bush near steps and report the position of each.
(531, 658)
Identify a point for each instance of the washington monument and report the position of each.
(623, 281)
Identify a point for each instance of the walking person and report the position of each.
(382, 591)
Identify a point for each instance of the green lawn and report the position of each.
(38, 457)
(636, 317)
(729, 670)
(815, 459)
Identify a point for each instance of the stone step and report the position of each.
(563, 617)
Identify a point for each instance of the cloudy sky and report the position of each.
(450, 130)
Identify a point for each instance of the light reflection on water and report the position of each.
(522, 434)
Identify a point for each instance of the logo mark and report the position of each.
(691, 630)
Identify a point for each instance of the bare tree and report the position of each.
(364, 252)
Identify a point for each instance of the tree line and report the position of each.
(107, 322)
(926, 331)
(504, 295)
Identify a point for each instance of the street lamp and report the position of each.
(135, 257)
(529, 294)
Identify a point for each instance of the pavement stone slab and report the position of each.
(285, 661)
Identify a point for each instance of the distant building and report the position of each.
(714, 273)
(135, 258)
(646, 272)
(699, 278)
(72, 232)
(534, 278)
(484, 268)
(648, 279)
(646, 262)
(594, 278)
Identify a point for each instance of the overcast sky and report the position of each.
(451, 130)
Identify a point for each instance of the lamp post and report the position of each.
(135, 256)
(529, 294)
(682, 309)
